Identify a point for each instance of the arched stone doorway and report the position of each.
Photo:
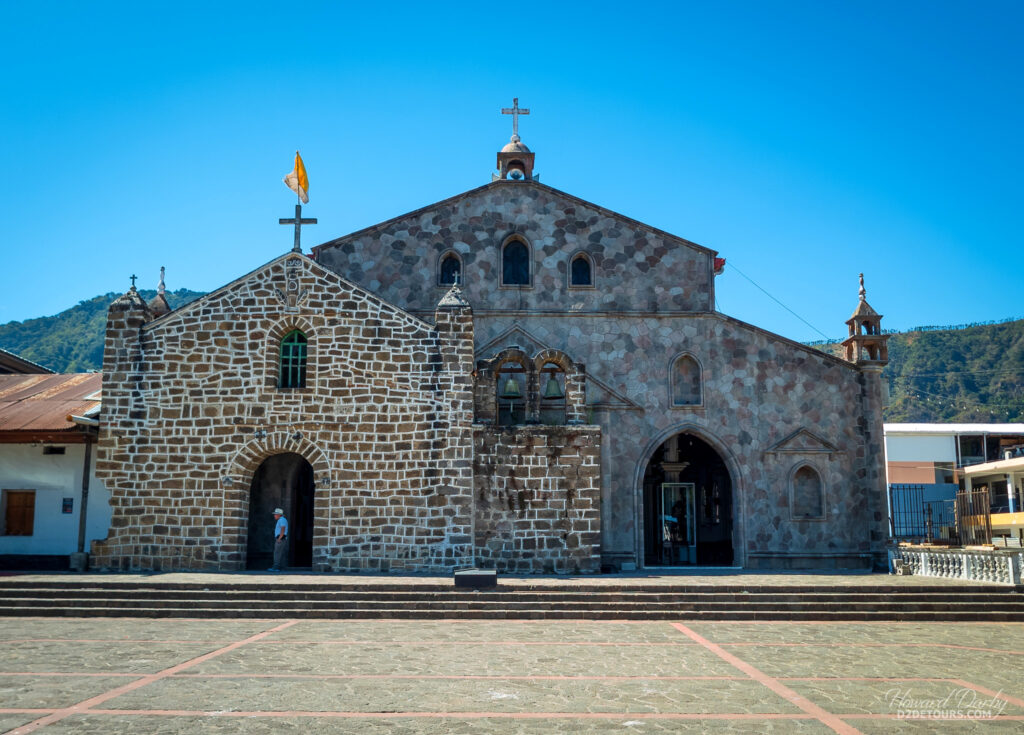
(286, 481)
(687, 505)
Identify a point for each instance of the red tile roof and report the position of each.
(42, 403)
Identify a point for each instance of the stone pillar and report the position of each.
(124, 413)
(454, 323)
(874, 464)
(576, 394)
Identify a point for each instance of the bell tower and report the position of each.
(866, 346)
(515, 160)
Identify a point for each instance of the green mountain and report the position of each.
(72, 341)
(961, 374)
(956, 374)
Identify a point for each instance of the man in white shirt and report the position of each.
(280, 541)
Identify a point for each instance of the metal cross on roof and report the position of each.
(298, 221)
(133, 277)
(515, 111)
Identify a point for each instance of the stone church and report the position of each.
(511, 378)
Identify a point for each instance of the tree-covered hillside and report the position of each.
(72, 341)
(966, 374)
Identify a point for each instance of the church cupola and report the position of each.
(866, 345)
(515, 160)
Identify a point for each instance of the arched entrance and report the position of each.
(285, 481)
(688, 518)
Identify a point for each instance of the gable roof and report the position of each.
(381, 226)
(40, 404)
(309, 262)
(11, 363)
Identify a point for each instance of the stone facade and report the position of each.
(402, 418)
(192, 407)
(538, 498)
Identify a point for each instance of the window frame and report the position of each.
(440, 264)
(516, 237)
(301, 369)
(585, 256)
(673, 379)
(5, 496)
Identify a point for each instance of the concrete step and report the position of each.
(500, 614)
(257, 603)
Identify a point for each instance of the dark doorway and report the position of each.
(687, 505)
(284, 481)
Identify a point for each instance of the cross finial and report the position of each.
(515, 111)
(298, 221)
(133, 277)
(863, 291)
(160, 288)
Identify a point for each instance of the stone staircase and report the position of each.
(367, 600)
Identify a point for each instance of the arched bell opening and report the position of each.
(282, 481)
(552, 394)
(511, 385)
(687, 505)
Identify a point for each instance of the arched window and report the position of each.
(808, 498)
(450, 270)
(293, 361)
(686, 387)
(580, 271)
(515, 264)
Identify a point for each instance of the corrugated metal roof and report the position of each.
(43, 402)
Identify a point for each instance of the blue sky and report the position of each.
(805, 141)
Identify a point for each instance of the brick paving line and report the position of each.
(819, 713)
(989, 693)
(462, 715)
(86, 704)
(874, 645)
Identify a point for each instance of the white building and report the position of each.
(47, 455)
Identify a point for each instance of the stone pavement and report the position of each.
(77, 675)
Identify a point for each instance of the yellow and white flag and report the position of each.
(297, 181)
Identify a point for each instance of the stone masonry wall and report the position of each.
(538, 498)
(191, 408)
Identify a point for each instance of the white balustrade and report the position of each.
(977, 565)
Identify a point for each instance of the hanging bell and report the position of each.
(552, 390)
(511, 390)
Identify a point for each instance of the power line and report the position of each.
(733, 266)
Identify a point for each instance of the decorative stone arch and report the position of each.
(807, 492)
(516, 237)
(732, 464)
(237, 482)
(677, 389)
(271, 352)
(439, 269)
(575, 384)
(592, 270)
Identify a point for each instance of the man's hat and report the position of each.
(278, 512)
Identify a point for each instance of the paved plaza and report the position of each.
(67, 675)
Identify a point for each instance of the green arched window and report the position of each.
(293, 361)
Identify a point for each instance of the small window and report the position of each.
(686, 388)
(515, 264)
(293, 361)
(580, 272)
(54, 450)
(808, 499)
(450, 271)
(19, 512)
